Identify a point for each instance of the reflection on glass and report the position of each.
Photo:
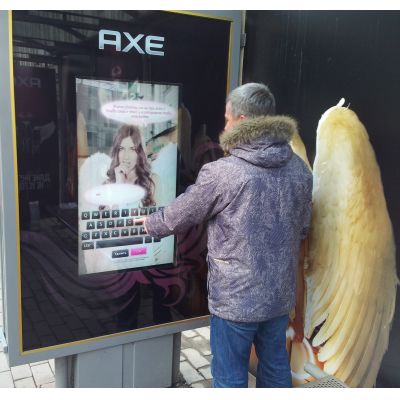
(64, 85)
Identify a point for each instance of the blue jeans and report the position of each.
(231, 346)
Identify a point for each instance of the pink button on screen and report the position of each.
(137, 251)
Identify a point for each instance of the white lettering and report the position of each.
(35, 82)
(133, 43)
(103, 41)
(149, 45)
(28, 82)
(23, 82)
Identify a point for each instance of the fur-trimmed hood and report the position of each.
(261, 141)
(277, 127)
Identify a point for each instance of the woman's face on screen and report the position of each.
(127, 153)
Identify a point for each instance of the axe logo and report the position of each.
(27, 82)
(114, 39)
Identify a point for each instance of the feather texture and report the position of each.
(351, 277)
(298, 147)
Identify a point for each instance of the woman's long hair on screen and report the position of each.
(142, 165)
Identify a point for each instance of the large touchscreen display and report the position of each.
(127, 168)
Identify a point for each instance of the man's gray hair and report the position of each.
(251, 100)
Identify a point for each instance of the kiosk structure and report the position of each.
(106, 116)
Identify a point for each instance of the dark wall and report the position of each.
(310, 60)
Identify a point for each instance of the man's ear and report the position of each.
(242, 118)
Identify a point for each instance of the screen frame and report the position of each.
(175, 249)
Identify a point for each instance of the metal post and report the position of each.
(176, 355)
(314, 371)
(61, 372)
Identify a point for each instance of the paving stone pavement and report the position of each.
(195, 370)
(196, 358)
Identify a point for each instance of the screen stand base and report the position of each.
(150, 363)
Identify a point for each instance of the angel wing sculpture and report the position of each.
(351, 275)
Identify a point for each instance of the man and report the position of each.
(257, 202)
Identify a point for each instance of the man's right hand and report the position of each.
(143, 219)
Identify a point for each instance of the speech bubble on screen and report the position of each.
(138, 112)
(114, 193)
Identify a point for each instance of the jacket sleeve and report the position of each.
(307, 205)
(201, 201)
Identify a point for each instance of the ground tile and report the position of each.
(3, 363)
(202, 384)
(74, 322)
(206, 372)
(189, 373)
(49, 340)
(42, 328)
(21, 372)
(48, 385)
(6, 380)
(47, 308)
(189, 334)
(25, 383)
(38, 362)
(29, 304)
(205, 332)
(252, 381)
(200, 344)
(30, 277)
(185, 343)
(51, 362)
(63, 333)
(40, 296)
(35, 285)
(31, 341)
(35, 316)
(42, 374)
(81, 334)
(94, 327)
(63, 311)
(53, 319)
(195, 358)
(26, 324)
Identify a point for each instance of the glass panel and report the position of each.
(67, 66)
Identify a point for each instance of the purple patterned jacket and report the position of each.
(257, 202)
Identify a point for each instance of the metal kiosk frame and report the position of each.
(107, 361)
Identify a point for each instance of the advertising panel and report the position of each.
(117, 182)
(139, 97)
